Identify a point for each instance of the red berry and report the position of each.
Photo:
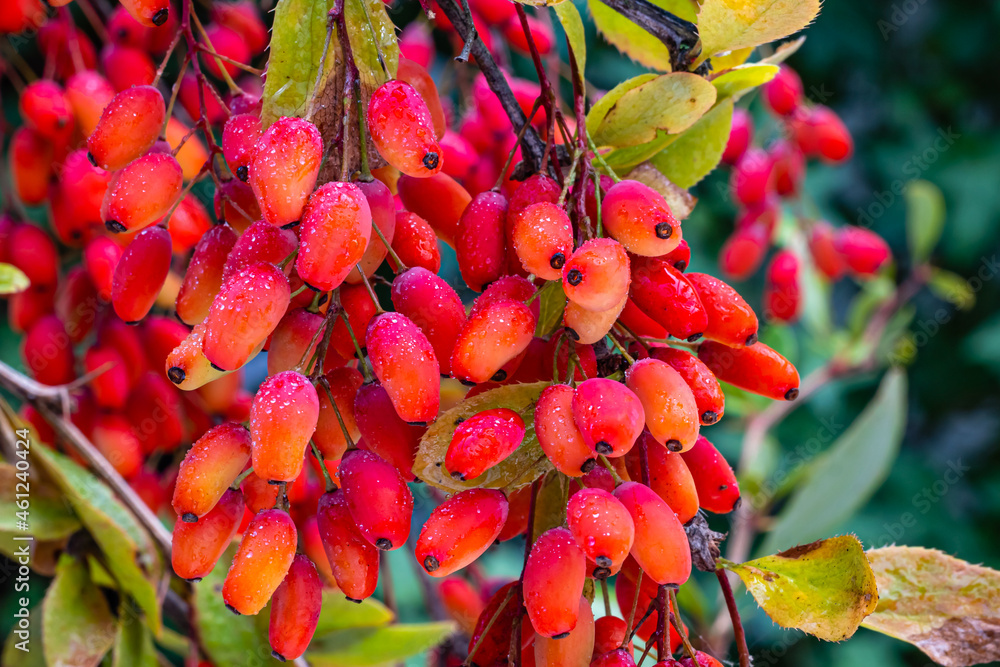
(617, 658)
(596, 277)
(751, 177)
(640, 219)
(558, 434)
(404, 361)
(229, 43)
(609, 415)
(730, 319)
(295, 610)
(587, 326)
(863, 251)
(89, 93)
(48, 352)
(243, 17)
(148, 12)
(788, 168)
(283, 171)
(261, 563)
(553, 582)
(782, 292)
(661, 545)
(667, 401)
(543, 239)
(519, 506)
(111, 387)
(439, 199)
(708, 394)
(127, 66)
(383, 209)
(667, 296)
(482, 441)
(669, 477)
(113, 437)
(34, 252)
(380, 501)
(460, 157)
(236, 204)
(420, 79)
(282, 420)
(383, 431)
(758, 369)
(359, 309)
(140, 274)
(208, 468)
(609, 634)
(203, 277)
(744, 250)
(602, 527)
(822, 247)
(353, 560)
(187, 366)
(462, 602)
(31, 164)
(142, 193)
(481, 246)
(718, 490)
(414, 243)
(434, 306)
(740, 133)
(783, 93)
(402, 129)
(336, 227)
(574, 649)
(156, 414)
(45, 108)
(294, 340)
(196, 547)
(460, 530)
(129, 125)
(490, 640)
(239, 138)
(490, 338)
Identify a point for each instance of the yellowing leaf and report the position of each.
(738, 80)
(377, 646)
(600, 110)
(633, 41)
(371, 33)
(571, 22)
(525, 465)
(730, 59)
(947, 608)
(825, 588)
(671, 103)
(12, 279)
(680, 201)
(623, 158)
(783, 52)
(77, 625)
(698, 150)
(726, 25)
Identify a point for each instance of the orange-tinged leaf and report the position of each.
(726, 25)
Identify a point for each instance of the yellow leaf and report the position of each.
(737, 81)
(600, 110)
(783, 52)
(726, 25)
(697, 152)
(632, 40)
(671, 103)
(571, 22)
(731, 59)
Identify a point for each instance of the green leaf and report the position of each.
(924, 218)
(550, 505)
(621, 159)
(50, 517)
(377, 646)
(600, 110)
(339, 613)
(729, 60)
(521, 468)
(297, 39)
(371, 33)
(77, 625)
(134, 645)
(947, 608)
(12, 279)
(20, 652)
(953, 288)
(670, 102)
(551, 304)
(571, 22)
(738, 80)
(128, 549)
(698, 150)
(633, 41)
(825, 588)
(727, 25)
(844, 477)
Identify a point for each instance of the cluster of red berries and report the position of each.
(761, 178)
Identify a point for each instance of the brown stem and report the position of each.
(734, 615)
(679, 36)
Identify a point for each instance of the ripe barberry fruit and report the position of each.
(823, 248)
(609, 634)
(404, 361)
(863, 251)
(47, 352)
(284, 168)
(490, 338)
(740, 133)
(149, 13)
(490, 640)
(718, 490)
(295, 609)
(482, 441)
(668, 403)
(196, 547)
(31, 165)
(282, 420)
(460, 529)
(462, 602)
(617, 658)
(353, 560)
(111, 387)
(758, 369)
(507, 288)
(440, 200)
(783, 93)
(609, 415)
(208, 468)
(236, 204)
(708, 394)
(402, 129)
(788, 168)
(294, 339)
(553, 583)
(34, 252)
(383, 431)
(434, 306)
(187, 366)
(574, 649)
(782, 292)
(602, 527)
(744, 250)
(558, 434)
(820, 132)
(596, 277)
(344, 384)
(667, 296)
(669, 477)
(587, 327)
(640, 219)
(261, 563)
(661, 545)
(239, 138)
(543, 239)
(380, 502)
(114, 439)
(336, 228)
(45, 108)
(140, 274)
(383, 208)
(129, 126)
(730, 319)
(751, 180)
(142, 193)
(415, 243)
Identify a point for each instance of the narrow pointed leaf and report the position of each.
(77, 625)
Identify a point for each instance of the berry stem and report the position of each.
(649, 646)
(365, 371)
(661, 607)
(600, 158)
(235, 486)
(734, 615)
(606, 596)
(622, 350)
(94, 20)
(233, 88)
(336, 410)
(166, 60)
(517, 142)
(400, 267)
(324, 345)
(330, 486)
(630, 627)
(370, 290)
(547, 94)
(489, 626)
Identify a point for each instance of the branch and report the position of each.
(679, 36)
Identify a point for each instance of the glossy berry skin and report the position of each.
(820, 132)
(708, 395)
(596, 277)
(553, 582)
(245, 312)
(740, 133)
(543, 239)
(129, 126)
(261, 563)
(434, 306)
(353, 560)
(383, 208)
(481, 245)
(462, 602)
(260, 242)
(751, 180)
(142, 193)
(782, 292)
(383, 431)
(609, 415)
(718, 490)
(295, 609)
(602, 527)
(439, 199)
(236, 204)
(380, 501)
(640, 219)
(140, 274)
(208, 468)
(490, 642)
(282, 419)
(558, 434)
(823, 248)
(661, 545)
(783, 93)
(47, 351)
(34, 252)
(667, 401)
(417, 76)
(149, 13)
(758, 369)
(402, 129)
(482, 441)
(186, 365)
(507, 288)
(536, 189)
(669, 477)
(415, 243)
(45, 108)
(575, 649)
(31, 163)
(329, 436)
(404, 361)
(730, 319)
(667, 296)
(617, 658)
(284, 168)
(239, 138)
(336, 228)
(490, 338)
(863, 251)
(744, 250)
(203, 277)
(460, 529)
(196, 547)
(112, 386)
(114, 439)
